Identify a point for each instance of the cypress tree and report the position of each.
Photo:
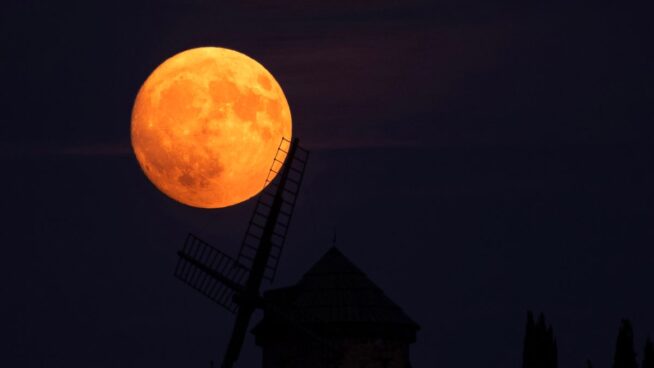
(539, 344)
(625, 356)
(648, 354)
(549, 344)
(528, 348)
(542, 358)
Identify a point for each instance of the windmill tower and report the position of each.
(341, 305)
(235, 283)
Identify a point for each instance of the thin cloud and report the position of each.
(9, 150)
(362, 143)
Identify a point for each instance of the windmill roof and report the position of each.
(336, 292)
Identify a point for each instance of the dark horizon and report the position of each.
(475, 160)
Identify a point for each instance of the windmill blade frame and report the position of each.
(292, 170)
(260, 260)
(211, 272)
(235, 283)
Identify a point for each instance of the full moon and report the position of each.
(206, 125)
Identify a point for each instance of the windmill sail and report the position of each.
(235, 284)
(210, 271)
(289, 174)
(270, 232)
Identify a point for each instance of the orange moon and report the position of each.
(206, 125)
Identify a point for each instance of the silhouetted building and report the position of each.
(334, 317)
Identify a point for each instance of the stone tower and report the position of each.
(334, 317)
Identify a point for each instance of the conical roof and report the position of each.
(334, 292)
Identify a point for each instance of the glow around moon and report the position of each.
(206, 125)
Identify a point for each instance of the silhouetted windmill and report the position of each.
(235, 283)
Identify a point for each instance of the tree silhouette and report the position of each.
(625, 356)
(551, 352)
(528, 351)
(648, 354)
(539, 344)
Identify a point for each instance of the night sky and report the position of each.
(476, 159)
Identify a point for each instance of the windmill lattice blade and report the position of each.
(210, 271)
(295, 164)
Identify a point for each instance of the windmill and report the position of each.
(234, 283)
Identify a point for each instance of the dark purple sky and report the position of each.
(477, 159)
